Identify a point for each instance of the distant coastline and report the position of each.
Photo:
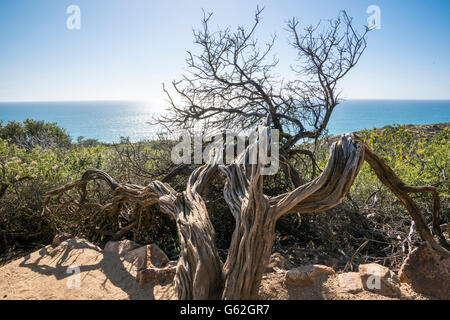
(108, 121)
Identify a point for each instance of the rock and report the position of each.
(156, 256)
(307, 275)
(145, 275)
(278, 261)
(350, 282)
(69, 245)
(121, 247)
(60, 237)
(379, 279)
(427, 273)
(151, 263)
(137, 257)
(147, 256)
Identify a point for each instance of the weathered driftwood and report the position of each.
(200, 273)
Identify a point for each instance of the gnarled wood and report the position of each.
(199, 273)
(199, 269)
(254, 233)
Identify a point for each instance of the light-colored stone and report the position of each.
(426, 273)
(379, 279)
(278, 261)
(350, 282)
(121, 247)
(147, 256)
(151, 263)
(67, 246)
(156, 256)
(307, 275)
(137, 257)
(161, 274)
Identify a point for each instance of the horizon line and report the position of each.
(149, 101)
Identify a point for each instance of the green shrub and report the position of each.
(32, 133)
(416, 157)
(25, 176)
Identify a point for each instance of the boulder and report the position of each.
(277, 261)
(70, 245)
(137, 257)
(427, 272)
(307, 275)
(379, 279)
(156, 256)
(350, 282)
(151, 263)
(145, 275)
(121, 247)
(60, 237)
(147, 256)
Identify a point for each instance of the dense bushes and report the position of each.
(371, 219)
(25, 176)
(32, 133)
(417, 157)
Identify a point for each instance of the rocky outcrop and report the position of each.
(147, 255)
(155, 266)
(307, 275)
(121, 247)
(152, 273)
(379, 279)
(69, 246)
(426, 273)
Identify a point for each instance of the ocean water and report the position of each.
(111, 120)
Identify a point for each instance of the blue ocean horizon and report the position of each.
(108, 121)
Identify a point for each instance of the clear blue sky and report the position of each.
(125, 49)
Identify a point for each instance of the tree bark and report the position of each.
(253, 237)
(199, 270)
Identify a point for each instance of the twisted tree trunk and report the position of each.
(199, 270)
(253, 236)
(199, 273)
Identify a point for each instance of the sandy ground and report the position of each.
(273, 288)
(103, 275)
(44, 274)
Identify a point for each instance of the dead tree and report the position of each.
(233, 84)
(200, 273)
